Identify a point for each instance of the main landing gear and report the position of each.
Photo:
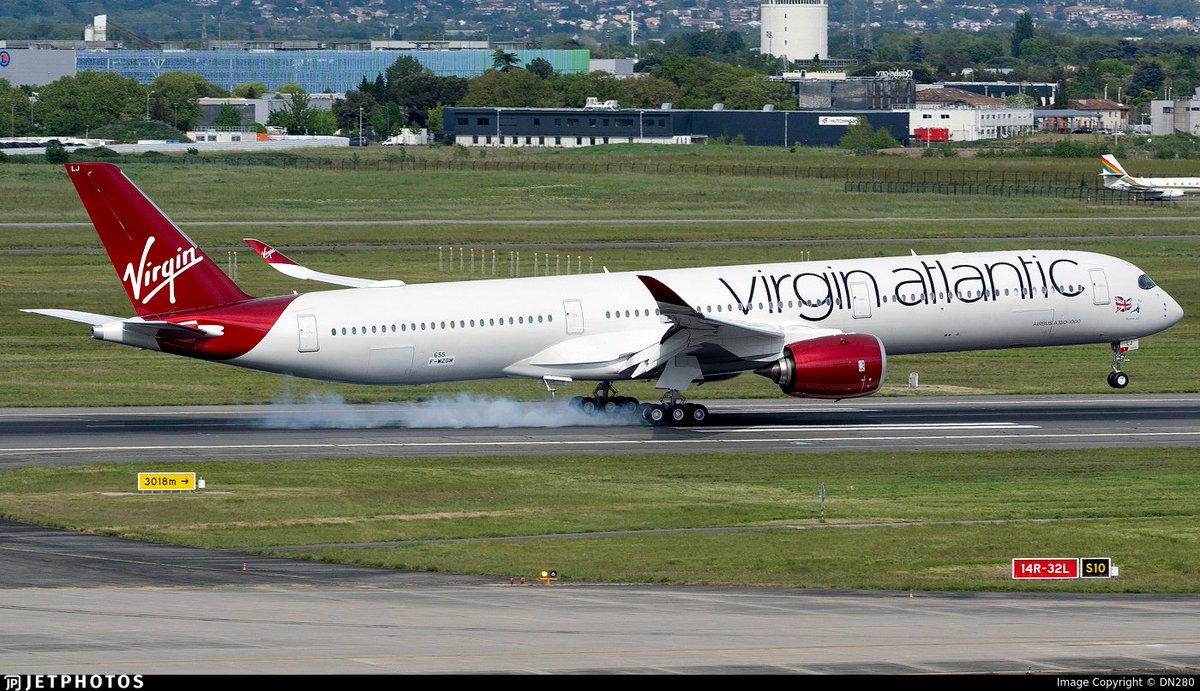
(672, 410)
(1116, 378)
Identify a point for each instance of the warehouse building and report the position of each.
(610, 124)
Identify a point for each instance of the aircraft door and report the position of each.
(1099, 287)
(307, 326)
(573, 310)
(860, 298)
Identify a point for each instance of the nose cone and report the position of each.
(1172, 311)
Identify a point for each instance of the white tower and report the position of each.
(795, 29)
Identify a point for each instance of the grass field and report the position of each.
(1138, 507)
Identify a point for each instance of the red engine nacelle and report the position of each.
(844, 366)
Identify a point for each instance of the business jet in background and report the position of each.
(817, 329)
(1115, 178)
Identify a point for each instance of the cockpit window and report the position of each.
(1145, 282)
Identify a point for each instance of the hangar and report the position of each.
(611, 124)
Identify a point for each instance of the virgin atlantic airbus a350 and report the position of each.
(817, 329)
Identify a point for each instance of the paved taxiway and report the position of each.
(491, 427)
(78, 604)
(74, 603)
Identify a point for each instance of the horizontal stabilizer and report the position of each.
(278, 261)
(75, 316)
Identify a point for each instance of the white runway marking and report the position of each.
(869, 428)
(589, 442)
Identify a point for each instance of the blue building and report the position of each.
(316, 70)
(572, 127)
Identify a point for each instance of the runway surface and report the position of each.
(72, 603)
(498, 427)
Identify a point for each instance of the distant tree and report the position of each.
(541, 67)
(434, 122)
(249, 90)
(176, 98)
(300, 117)
(55, 153)
(577, 88)
(504, 61)
(16, 104)
(403, 67)
(862, 138)
(346, 110)
(516, 89)
(1147, 77)
(322, 121)
(289, 89)
(1022, 31)
(1020, 101)
(648, 91)
(228, 116)
(85, 101)
(916, 50)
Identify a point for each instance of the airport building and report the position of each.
(829, 90)
(574, 127)
(1176, 116)
(316, 70)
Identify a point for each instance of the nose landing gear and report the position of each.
(1116, 378)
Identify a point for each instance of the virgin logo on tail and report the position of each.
(268, 252)
(158, 276)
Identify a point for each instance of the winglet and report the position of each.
(278, 261)
(662, 294)
(269, 254)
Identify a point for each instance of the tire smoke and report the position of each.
(331, 411)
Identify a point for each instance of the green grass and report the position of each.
(1138, 507)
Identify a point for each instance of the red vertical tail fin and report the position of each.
(161, 269)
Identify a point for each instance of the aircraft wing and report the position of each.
(276, 260)
(678, 311)
(696, 336)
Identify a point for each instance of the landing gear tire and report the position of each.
(588, 405)
(677, 414)
(1118, 380)
(697, 414)
(655, 414)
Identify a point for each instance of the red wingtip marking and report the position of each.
(661, 292)
(269, 254)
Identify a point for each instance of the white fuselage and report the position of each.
(1169, 186)
(586, 326)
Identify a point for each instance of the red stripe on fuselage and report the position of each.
(245, 325)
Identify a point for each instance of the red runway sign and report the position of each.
(1045, 568)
